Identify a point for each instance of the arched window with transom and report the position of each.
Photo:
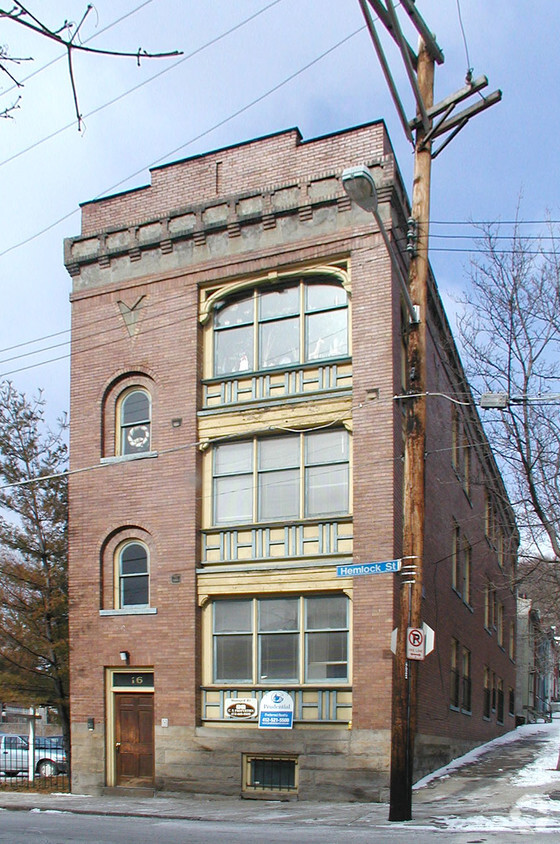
(266, 328)
(134, 422)
(133, 576)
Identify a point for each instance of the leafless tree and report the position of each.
(510, 331)
(67, 35)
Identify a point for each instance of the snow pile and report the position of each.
(539, 770)
(532, 811)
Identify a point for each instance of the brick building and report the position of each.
(238, 341)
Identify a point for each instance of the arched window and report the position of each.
(133, 575)
(134, 422)
(266, 328)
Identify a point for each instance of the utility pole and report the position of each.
(431, 121)
(410, 600)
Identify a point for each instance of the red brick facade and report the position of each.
(145, 267)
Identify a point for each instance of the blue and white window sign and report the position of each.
(276, 711)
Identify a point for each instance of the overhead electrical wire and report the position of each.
(192, 140)
(144, 82)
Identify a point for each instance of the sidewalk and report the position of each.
(510, 783)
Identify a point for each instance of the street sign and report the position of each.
(368, 568)
(429, 640)
(415, 643)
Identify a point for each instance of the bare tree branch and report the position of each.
(510, 332)
(19, 14)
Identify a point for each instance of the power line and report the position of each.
(494, 222)
(141, 84)
(480, 249)
(192, 140)
(102, 341)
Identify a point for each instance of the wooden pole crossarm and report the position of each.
(488, 101)
(420, 24)
(452, 99)
(449, 138)
(401, 43)
(381, 12)
(385, 67)
(432, 133)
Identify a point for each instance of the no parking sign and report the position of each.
(415, 643)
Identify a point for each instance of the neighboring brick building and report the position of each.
(237, 345)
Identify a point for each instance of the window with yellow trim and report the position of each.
(270, 328)
(293, 639)
(268, 479)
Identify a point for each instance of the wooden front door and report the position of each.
(134, 739)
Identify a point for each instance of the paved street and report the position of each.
(499, 793)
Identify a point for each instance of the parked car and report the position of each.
(50, 758)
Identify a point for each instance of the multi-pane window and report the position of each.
(466, 680)
(460, 449)
(511, 648)
(460, 677)
(279, 478)
(487, 699)
(490, 606)
(281, 640)
(493, 528)
(500, 624)
(500, 702)
(461, 565)
(133, 575)
(467, 563)
(456, 558)
(296, 323)
(134, 422)
(455, 675)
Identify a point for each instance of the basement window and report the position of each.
(270, 774)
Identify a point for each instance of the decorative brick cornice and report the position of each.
(264, 208)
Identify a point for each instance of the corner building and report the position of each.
(238, 341)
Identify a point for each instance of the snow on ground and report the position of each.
(540, 772)
(531, 812)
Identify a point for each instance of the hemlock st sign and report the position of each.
(368, 568)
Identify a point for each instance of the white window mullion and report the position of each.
(302, 642)
(255, 479)
(256, 655)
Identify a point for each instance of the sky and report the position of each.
(250, 68)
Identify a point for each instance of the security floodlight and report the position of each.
(125, 656)
(360, 187)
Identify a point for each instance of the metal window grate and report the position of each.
(271, 773)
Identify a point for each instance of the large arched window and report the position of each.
(266, 328)
(134, 422)
(133, 575)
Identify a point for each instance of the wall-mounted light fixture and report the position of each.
(91, 724)
(176, 422)
(125, 657)
(359, 185)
